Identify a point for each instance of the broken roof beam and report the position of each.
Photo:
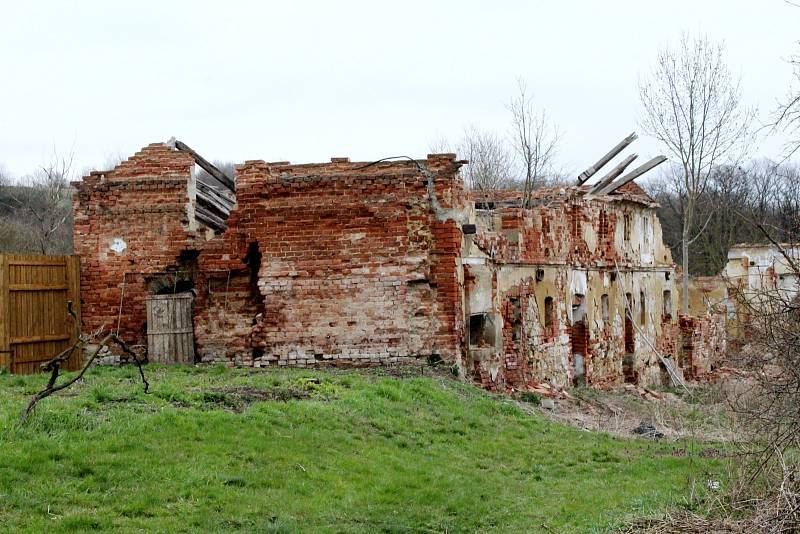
(588, 173)
(219, 196)
(209, 219)
(616, 171)
(213, 204)
(635, 173)
(214, 172)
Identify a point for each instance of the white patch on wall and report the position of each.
(358, 236)
(578, 285)
(118, 245)
(480, 295)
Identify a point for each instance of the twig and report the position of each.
(54, 365)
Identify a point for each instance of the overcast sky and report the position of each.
(304, 81)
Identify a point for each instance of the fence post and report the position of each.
(6, 359)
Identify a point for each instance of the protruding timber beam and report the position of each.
(212, 199)
(635, 173)
(209, 219)
(588, 173)
(616, 171)
(215, 173)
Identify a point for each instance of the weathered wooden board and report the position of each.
(170, 332)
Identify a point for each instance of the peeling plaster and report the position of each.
(118, 245)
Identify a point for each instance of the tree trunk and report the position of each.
(685, 265)
(687, 227)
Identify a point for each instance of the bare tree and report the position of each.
(787, 117)
(534, 140)
(42, 201)
(692, 104)
(490, 160)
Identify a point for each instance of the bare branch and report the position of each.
(534, 140)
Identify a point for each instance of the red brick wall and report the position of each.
(703, 343)
(142, 203)
(355, 266)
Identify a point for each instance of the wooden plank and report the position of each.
(39, 338)
(74, 295)
(32, 260)
(207, 190)
(170, 333)
(37, 287)
(211, 203)
(616, 171)
(215, 173)
(208, 218)
(34, 324)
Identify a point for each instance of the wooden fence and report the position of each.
(34, 323)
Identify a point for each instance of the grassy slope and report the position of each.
(363, 454)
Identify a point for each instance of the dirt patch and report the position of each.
(702, 414)
(238, 398)
(250, 394)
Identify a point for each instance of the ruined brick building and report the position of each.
(386, 262)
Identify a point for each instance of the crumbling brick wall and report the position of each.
(132, 225)
(339, 262)
(703, 343)
(568, 248)
(355, 267)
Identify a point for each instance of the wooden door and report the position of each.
(170, 333)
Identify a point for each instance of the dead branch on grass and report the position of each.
(54, 365)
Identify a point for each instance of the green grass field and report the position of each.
(219, 450)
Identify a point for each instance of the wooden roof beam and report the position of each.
(588, 173)
(635, 173)
(215, 173)
(616, 171)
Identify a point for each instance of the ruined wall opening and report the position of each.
(515, 316)
(579, 340)
(630, 345)
(666, 313)
(604, 311)
(642, 309)
(253, 261)
(481, 331)
(549, 317)
(628, 369)
(603, 226)
(626, 227)
(179, 278)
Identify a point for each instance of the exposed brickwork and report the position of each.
(320, 263)
(354, 264)
(131, 223)
(703, 341)
(567, 248)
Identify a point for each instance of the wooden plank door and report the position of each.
(170, 332)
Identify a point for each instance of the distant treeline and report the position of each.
(733, 204)
(36, 214)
